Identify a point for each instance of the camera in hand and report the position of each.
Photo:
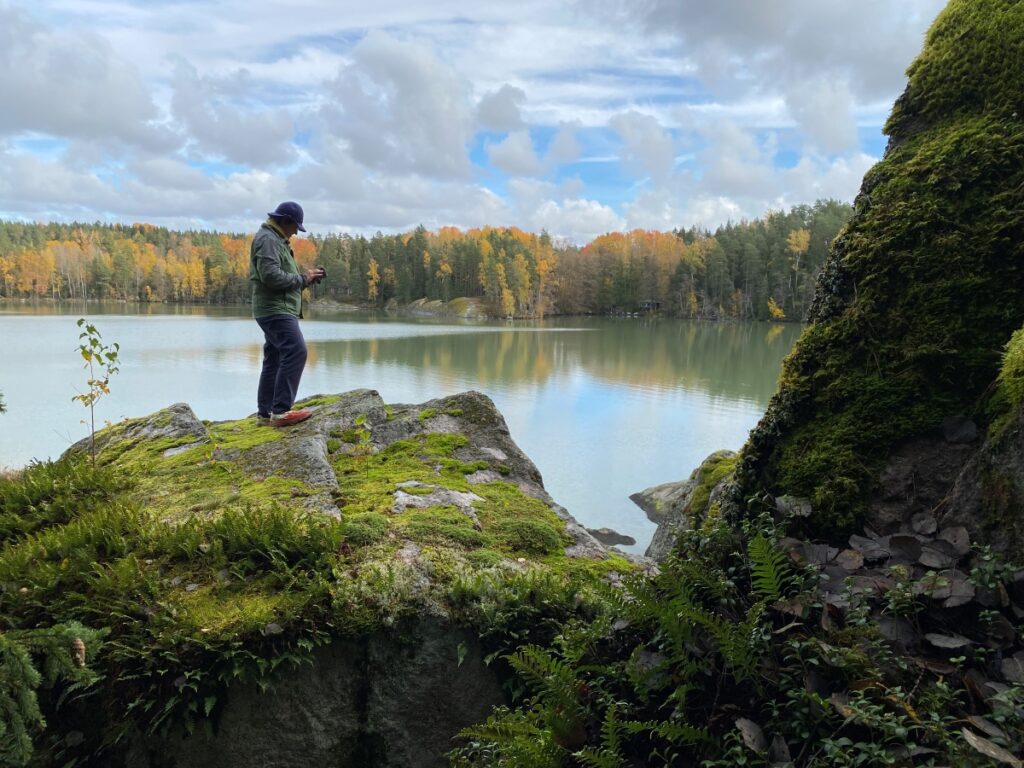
(316, 280)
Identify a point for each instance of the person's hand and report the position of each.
(315, 275)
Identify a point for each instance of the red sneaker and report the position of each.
(287, 419)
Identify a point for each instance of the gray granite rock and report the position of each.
(391, 700)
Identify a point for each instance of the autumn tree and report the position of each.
(372, 280)
(798, 242)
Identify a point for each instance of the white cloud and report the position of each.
(401, 109)
(71, 85)
(558, 208)
(564, 147)
(648, 147)
(824, 108)
(575, 220)
(515, 155)
(170, 173)
(499, 110)
(128, 110)
(218, 114)
(30, 185)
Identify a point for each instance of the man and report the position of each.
(277, 287)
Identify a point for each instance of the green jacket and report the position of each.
(276, 282)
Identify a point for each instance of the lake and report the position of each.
(603, 406)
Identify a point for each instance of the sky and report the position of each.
(579, 117)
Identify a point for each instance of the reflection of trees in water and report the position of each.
(81, 308)
(722, 359)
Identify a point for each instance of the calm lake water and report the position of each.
(604, 406)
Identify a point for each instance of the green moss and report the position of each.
(1011, 375)
(519, 523)
(216, 612)
(333, 445)
(310, 402)
(455, 412)
(532, 537)
(367, 482)
(418, 490)
(441, 525)
(362, 530)
(714, 469)
(205, 478)
(921, 289)
(483, 558)
(427, 413)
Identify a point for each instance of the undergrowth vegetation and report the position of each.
(730, 658)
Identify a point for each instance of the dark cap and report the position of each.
(291, 211)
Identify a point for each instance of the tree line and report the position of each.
(759, 269)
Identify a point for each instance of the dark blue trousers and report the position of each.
(284, 357)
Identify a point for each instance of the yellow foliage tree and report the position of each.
(373, 280)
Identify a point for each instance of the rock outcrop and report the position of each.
(675, 506)
(378, 544)
(920, 291)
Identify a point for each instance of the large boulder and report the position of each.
(921, 290)
(384, 550)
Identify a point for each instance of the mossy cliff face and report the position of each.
(392, 546)
(922, 289)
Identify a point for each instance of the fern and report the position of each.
(509, 738)
(671, 731)
(769, 568)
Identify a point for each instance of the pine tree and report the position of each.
(62, 651)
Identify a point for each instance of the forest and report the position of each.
(750, 270)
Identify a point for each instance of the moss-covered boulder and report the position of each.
(680, 506)
(391, 547)
(922, 289)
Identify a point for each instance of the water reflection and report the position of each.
(721, 360)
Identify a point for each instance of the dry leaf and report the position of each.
(752, 735)
(850, 559)
(78, 651)
(841, 703)
(958, 537)
(947, 641)
(987, 726)
(990, 749)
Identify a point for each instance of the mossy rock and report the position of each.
(222, 554)
(921, 290)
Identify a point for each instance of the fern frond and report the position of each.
(672, 731)
(540, 668)
(609, 754)
(769, 568)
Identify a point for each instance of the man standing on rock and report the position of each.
(277, 287)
